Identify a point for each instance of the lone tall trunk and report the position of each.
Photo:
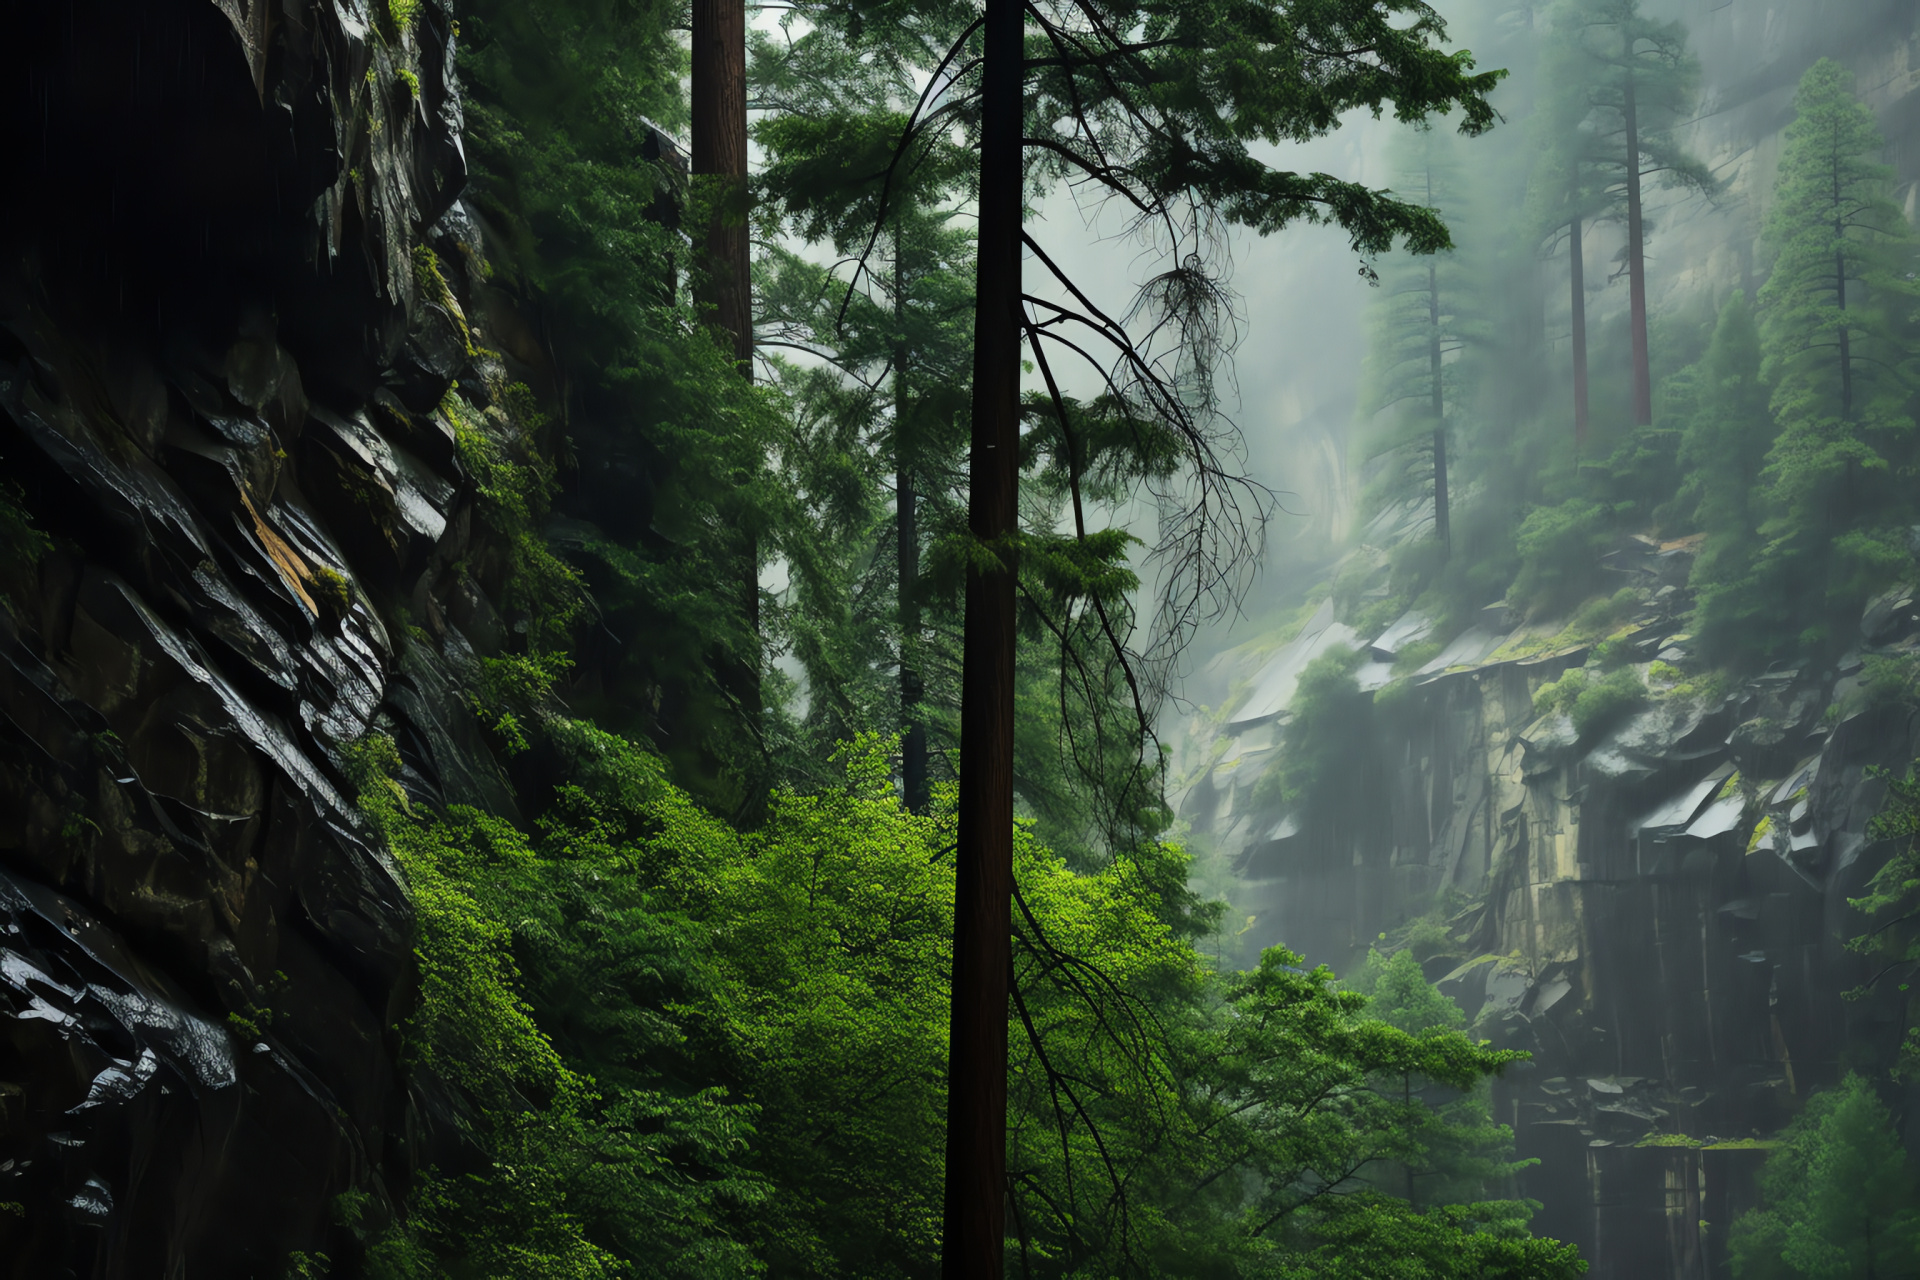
(719, 109)
(1577, 270)
(1636, 256)
(1840, 298)
(1442, 528)
(719, 104)
(975, 1226)
(913, 732)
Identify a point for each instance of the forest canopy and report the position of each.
(693, 1005)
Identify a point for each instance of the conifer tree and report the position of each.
(1840, 1193)
(1892, 904)
(1419, 330)
(1723, 449)
(1457, 1153)
(1836, 299)
(1836, 325)
(1638, 80)
(1568, 190)
(1132, 97)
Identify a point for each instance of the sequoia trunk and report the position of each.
(718, 100)
(1636, 255)
(975, 1210)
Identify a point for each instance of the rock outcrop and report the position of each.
(238, 538)
(1654, 904)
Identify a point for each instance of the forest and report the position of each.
(647, 641)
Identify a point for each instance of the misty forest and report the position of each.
(960, 638)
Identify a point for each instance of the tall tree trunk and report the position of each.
(1442, 527)
(913, 732)
(719, 107)
(975, 1211)
(1636, 255)
(1846, 346)
(1577, 271)
(1840, 298)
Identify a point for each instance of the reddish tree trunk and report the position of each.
(718, 100)
(1840, 299)
(1636, 257)
(719, 105)
(913, 731)
(1442, 528)
(1577, 269)
(975, 1219)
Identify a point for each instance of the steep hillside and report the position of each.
(1614, 850)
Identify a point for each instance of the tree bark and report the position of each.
(1577, 271)
(1636, 254)
(1840, 298)
(719, 107)
(975, 1210)
(1442, 528)
(913, 732)
(718, 99)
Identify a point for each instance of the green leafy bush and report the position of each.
(1593, 704)
(1326, 737)
(1559, 549)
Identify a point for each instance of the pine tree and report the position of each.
(1457, 1153)
(1836, 326)
(1892, 903)
(664, 454)
(1133, 98)
(1723, 450)
(1567, 190)
(896, 331)
(1419, 329)
(1638, 80)
(1840, 1193)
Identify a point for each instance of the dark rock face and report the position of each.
(220, 369)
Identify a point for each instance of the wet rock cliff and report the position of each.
(236, 292)
(1653, 902)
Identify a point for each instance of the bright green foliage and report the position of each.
(1836, 320)
(1841, 1198)
(834, 926)
(1466, 1156)
(677, 1050)
(1328, 1101)
(514, 485)
(663, 466)
(587, 1153)
(1403, 997)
